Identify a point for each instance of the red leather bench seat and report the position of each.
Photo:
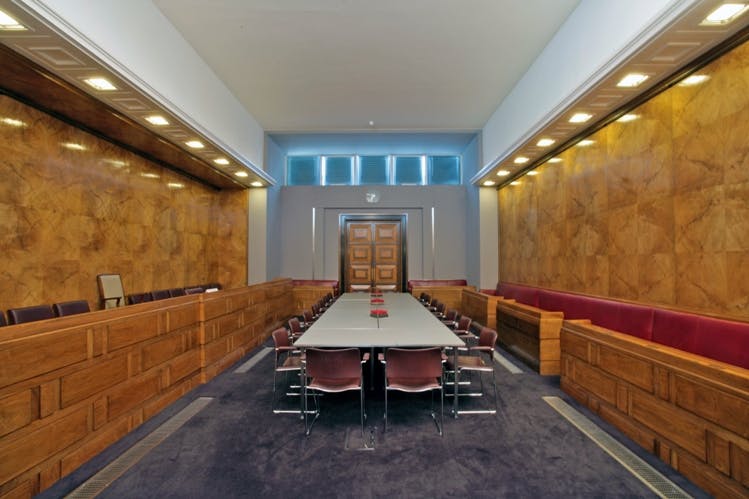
(435, 282)
(722, 340)
(316, 282)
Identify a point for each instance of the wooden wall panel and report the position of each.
(698, 424)
(451, 296)
(655, 211)
(71, 386)
(67, 215)
(479, 307)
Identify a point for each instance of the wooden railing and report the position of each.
(71, 386)
(451, 296)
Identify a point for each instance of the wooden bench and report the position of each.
(71, 386)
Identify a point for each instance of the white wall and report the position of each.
(134, 39)
(299, 203)
(596, 35)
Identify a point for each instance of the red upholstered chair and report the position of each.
(333, 371)
(30, 314)
(450, 318)
(70, 308)
(463, 328)
(414, 371)
(308, 318)
(296, 329)
(439, 310)
(481, 363)
(288, 359)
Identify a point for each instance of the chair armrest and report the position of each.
(381, 357)
(365, 357)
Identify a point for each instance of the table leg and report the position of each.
(455, 383)
(371, 367)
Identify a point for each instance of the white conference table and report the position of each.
(347, 323)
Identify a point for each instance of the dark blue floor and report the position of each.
(236, 447)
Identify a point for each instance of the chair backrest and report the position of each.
(2, 319)
(316, 309)
(427, 299)
(110, 290)
(413, 363)
(464, 323)
(451, 315)
(193, 291)
(70, 308)
(30, 314)
(333, 364)
(136, 298)
(177, 292)
(295, 326)
(422, 297)
(308, 317)
(441, 308)
(488, 338)
(160, 294)
(281, 337)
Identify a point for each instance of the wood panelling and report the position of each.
(690, 411)
(60, 405)
(656, 210)
(451, 296)
(530, 333)
(305, 296)
(480, 307)
(67, 215)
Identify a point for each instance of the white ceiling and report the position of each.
(336, 65)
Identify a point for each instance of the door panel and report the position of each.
(372, 254)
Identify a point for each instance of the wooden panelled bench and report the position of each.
(676, 383)
(309, 291)
(71, 386)
(480, 307)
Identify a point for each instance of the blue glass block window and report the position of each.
(302, 170)
(409, 170)
(373, 170)
(338, 170)
(444, 170)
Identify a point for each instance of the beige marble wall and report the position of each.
(67, 215)
(655, 211)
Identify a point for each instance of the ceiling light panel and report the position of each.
(8, 23)
(100, 83)
(726, 13)
(580, 117)
(520, 160)
(632, 80)
(545, 142)
(157, 120)
(693, 80)
(194, 144)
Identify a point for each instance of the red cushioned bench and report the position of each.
(677, 383)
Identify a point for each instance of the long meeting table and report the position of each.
(348, 323)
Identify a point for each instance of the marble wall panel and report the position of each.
(73, 205)
(655, 211)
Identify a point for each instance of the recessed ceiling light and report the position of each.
(632, 80)
(115, 162)
(13, 122)
(585, 142)
(628, 117)
(241, 173)
(221, 161)
(157, 119)
(520, 160)
(8, 23)
(73, 146)
(725, 14)
(149, 175)
(256, 184)
(545, 142)
(580, 117)
(555, 160)
(693, 80)
(532, 173)
(489, 183)
(195, 144)
(100, 83)
(515, 182)
(175, 185)
(503, 173)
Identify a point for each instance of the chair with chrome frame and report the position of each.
(414, 371)
(477, 363)
(296, 329)
(333, 371)
(450, 319)
(288, 359)
(309, 319)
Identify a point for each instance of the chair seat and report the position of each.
(472, 363)
(334, 384)
(413, 385)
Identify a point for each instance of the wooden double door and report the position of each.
(373, 252)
